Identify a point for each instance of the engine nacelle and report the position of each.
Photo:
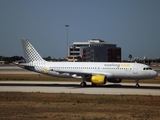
(114, 80)
(98, 79)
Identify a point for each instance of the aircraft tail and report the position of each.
(30, 53)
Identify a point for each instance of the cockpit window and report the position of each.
(148, 68)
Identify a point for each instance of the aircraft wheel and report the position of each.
(137, 85)
(83, 84)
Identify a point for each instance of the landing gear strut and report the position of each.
(137, 85)
(94, 85)
(83, 84)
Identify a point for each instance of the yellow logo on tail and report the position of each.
(29, 47)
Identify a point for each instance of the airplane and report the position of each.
(98, 73)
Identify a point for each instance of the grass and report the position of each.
(62, 106)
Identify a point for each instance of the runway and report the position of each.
(73, 87)
(14, 69)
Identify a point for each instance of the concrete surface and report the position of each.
(74, 87)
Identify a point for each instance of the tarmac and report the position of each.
(74, 87)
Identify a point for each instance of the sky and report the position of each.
(134, 25)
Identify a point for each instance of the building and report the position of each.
(2, 62)
(94, 50)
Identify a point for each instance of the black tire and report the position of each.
(137, 85)
(83, 84)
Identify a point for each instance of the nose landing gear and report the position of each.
(137, 85)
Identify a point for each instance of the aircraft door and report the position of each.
(135, 69)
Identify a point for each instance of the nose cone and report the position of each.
(154, 74)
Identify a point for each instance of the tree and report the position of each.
(48, 58)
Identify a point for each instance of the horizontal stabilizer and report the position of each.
(26, 66)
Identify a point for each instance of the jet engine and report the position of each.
(98, 79)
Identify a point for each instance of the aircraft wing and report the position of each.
(82, 73)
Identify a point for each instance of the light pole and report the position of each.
(67, 37)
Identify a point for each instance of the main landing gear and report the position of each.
(137, 85)
(83, 84)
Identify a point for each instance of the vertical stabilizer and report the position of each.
(30, 53)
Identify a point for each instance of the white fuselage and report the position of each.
(109, 69)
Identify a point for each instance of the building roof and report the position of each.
(93, 41)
